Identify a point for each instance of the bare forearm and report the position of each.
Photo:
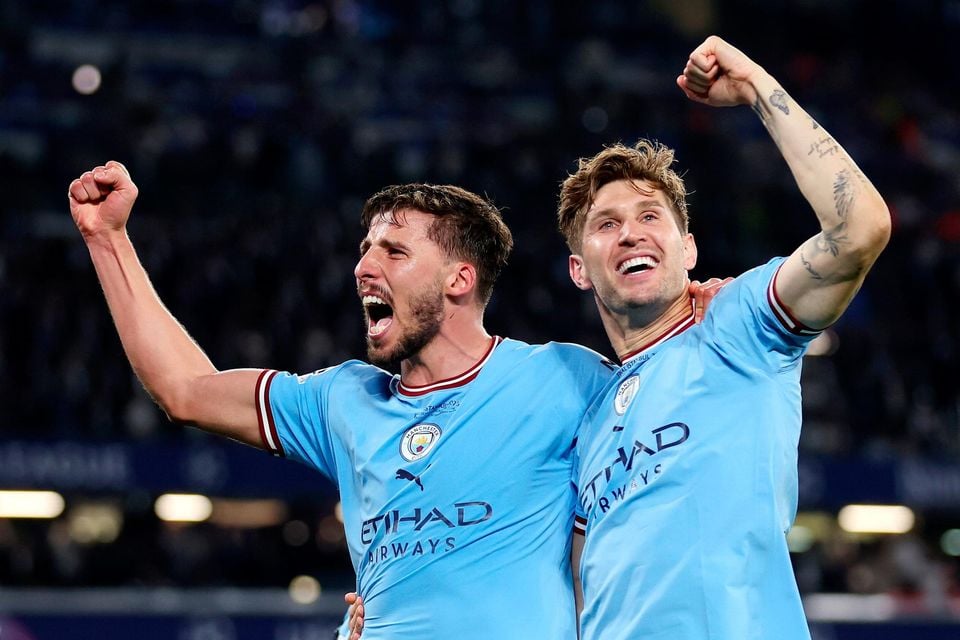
(853, 218)
(162, 354)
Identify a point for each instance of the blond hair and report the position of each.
(646, 160)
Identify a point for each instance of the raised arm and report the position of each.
(820, 278)
(171, 366)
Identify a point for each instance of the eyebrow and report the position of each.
(643, 204)
(365, 245)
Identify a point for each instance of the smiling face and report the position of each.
(633, 256)
(400, 279)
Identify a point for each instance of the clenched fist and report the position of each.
(719, 74)
(101, 199)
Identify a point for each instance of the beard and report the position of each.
(426, 311)
(641, 308)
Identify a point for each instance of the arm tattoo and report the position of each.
(829, 240)
(760, 109)
(815, 124)
(856, 171)
(825, 146)
(779, 99)
(808, 265)
(844, 193)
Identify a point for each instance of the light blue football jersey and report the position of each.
(687, 478)
(342, 632)
(457, 497)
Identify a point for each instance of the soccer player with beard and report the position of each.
(454, 475)
(688, 461)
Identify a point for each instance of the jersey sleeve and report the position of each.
(579, 515)
(589, 374)
(747, 317)
(291, 411)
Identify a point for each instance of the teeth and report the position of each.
(372, 300)
(378, 328)
(640, 261)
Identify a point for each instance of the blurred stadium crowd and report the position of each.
(255, 130)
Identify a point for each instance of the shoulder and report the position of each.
(758, 278)
(748, 290)
(569, 366)
(558, 352)
(747, 317)
(578, 354)
(351, 372)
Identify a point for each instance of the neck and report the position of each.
(457, 347)
(628, 337)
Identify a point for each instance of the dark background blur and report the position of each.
(255, 131)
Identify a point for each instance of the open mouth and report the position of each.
(637, 265)
(379, 315)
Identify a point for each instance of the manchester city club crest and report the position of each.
(625, 394)
(418, 440)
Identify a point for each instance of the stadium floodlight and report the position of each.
(86, 79)
(950, 542)
(248, 514)
(304, 589)
(30, 504)
(94, 522)
(183, 507)
(875, 518)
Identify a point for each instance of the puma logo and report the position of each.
(403, 474)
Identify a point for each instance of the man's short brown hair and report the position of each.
(466, 226)
(646, 160)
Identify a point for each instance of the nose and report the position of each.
(631, 232)
(366, 268)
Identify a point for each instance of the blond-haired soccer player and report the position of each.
(687, 463)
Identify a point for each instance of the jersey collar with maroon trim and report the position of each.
(686, 321)
(455, 381)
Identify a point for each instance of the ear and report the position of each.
(689, 252)
(461, 280)
(578, 273)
